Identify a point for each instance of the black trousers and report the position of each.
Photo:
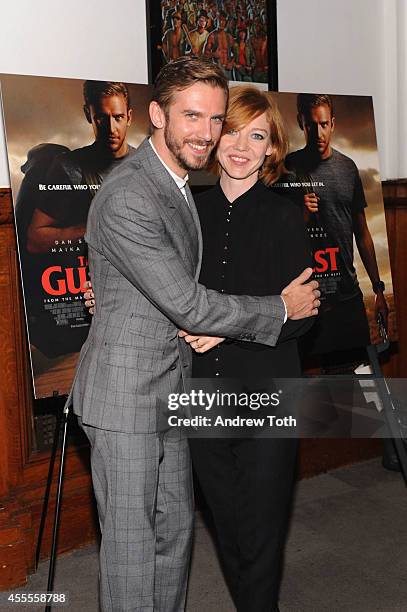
(247, 484)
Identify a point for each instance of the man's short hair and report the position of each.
(305, 102)
(184, 72)
(94, 91)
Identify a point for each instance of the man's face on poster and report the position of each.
(222, 22)
(202, 21)
(176, 21)
(259, 29)
(242, 35)
(110, 119)
(318, 126)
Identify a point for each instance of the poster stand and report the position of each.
(388, 403)
(61, 426)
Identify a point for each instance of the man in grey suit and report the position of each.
(145, 251)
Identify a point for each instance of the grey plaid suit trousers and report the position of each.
(143, 489)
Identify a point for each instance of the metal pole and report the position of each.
(47, 490)
(51, 571)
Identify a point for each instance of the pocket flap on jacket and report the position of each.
(131, 357)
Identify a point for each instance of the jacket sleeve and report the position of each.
(132, 237)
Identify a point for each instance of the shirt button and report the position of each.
(217, 374)
(227, 234)
(224, 261)
(222, 291)
(225, 248)
(227, 220)
(216, 358)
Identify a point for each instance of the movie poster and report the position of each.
(63, 139)
(345, 219)
(333, 175)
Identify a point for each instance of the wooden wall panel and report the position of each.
(395, 198)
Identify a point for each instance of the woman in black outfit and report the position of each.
(254, 244)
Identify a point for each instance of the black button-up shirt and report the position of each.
(253, 246)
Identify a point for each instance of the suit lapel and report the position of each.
(184, 218)
(195, 216)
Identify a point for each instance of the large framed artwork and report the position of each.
(240, 35)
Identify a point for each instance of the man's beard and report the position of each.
(176, 149)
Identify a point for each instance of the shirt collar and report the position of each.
(255, 191)
(181, 182)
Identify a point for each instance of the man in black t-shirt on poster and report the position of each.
(332, 192)
(55, 252)
(62, 214)
(334, 211)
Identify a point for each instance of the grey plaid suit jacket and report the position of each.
(145, 249)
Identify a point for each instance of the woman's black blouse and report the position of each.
(253, 246)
